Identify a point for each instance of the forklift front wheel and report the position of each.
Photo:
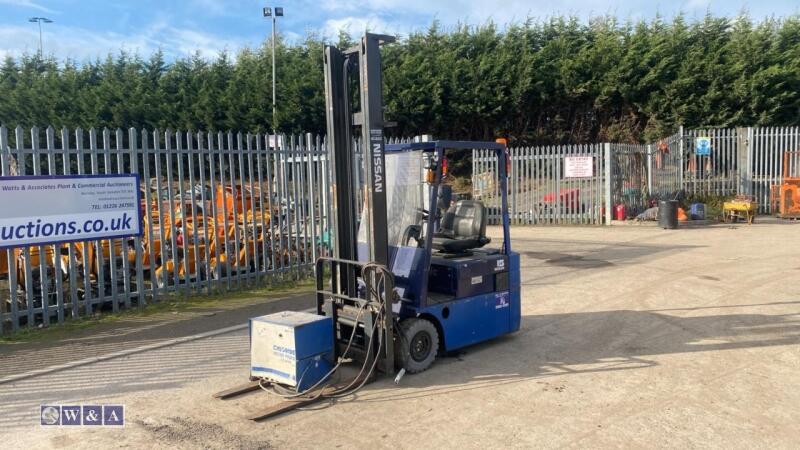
(418, 346)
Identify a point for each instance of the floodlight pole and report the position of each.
(40, 37)
(39, 20)
(274, 13)
(274, 98)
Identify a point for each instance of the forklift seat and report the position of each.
(463, 228)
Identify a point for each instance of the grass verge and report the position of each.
(165, 308)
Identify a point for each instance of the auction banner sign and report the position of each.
(37, 210)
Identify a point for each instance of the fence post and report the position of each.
(649, 170)
(681, 152)
(474, 171)
(6, 169)
(607, 180)
(311, 197)
(744, 138)
(137, 241)
(514, 181)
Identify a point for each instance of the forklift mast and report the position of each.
(344, 302)
(341, 120)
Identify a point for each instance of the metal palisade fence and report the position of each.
(225, 211)
(220, 211)
(765, 161)
(541, 191)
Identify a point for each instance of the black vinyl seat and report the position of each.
(463, 228)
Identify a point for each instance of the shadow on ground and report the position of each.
(594, 254)
(546, 346)
(585, 257)
(592, 342)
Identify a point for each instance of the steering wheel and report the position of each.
(412, 232)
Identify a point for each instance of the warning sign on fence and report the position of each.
(66, 208)
(702, 146)
(578, 166)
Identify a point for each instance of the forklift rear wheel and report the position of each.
(418, 345)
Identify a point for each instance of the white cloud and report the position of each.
(411, 15)
(339, 5)
(404, 16)
(210, 26)
(474, 11)
(694, 4)
(28, 4)
(82, 44)
(184, 42)
(697, 5)
(356, 25)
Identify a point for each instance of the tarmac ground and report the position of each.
(631, 337)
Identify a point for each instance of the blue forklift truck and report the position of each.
(411, 275)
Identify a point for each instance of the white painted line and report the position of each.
(121, 353)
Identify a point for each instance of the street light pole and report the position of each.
(278, 12)
(40, 37)
(274, 96)
(39, 20)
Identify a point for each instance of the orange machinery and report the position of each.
(34, 258)
(785, 197)
(208, 231)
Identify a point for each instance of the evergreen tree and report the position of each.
(560, 80)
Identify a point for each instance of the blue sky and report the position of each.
(91, 28)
